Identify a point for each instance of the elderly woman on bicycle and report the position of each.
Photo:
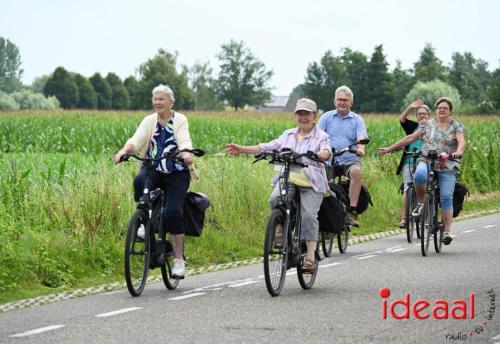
(165, 131)
(406, 165)
(311, 181)
(445, 136)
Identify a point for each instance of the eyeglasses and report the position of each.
(343, 100)
(422, 113)
(443, 108)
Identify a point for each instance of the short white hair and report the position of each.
(344, 89)
(165, 89)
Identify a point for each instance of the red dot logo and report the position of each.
(384, 292)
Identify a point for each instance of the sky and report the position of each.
(118, 36)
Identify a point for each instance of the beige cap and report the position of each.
(306, 105)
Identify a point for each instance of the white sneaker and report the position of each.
(141, 232)
(418, 210)
(178, 268)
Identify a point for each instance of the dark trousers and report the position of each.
(175, 186)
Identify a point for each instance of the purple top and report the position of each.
(315, 141)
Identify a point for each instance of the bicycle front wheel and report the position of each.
(426, 226)
(275, 252)
(327, 240)
(137, 253)
(410, 221)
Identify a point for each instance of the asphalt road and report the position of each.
(344, 306)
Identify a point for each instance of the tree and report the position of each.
(470, 77)
(63, 87)
(402, 82)
(27, 99)
(429, 67)
(103, 90)
(203, 86)
(323, 78)
(242, 77)
(494, 89)
(378, 82)
(120, 98)
(356, 67)
(431, 91)
(162, 69)
(87, 95)
(133, 89)
(39, 83)
(10, 63)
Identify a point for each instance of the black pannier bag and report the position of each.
(332, 211)
(364, 196)
(459, 195)
(194, 212)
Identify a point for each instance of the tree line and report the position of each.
(243, 80)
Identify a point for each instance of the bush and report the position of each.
(27, 99)
(431, 91)
(7, 102)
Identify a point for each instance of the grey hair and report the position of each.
(344, 89)
(165, 89)
(423, 106)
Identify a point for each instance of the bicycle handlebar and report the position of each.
(349, 148)
(286, 155)
(168, 156)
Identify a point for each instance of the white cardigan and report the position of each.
(144, 133)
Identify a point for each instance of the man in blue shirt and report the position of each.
(345, 128)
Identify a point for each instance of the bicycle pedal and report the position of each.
(178, 277)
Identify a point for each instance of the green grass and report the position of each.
(65, 206)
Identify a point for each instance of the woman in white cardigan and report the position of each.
(165, 131)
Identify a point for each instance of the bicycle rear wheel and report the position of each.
(426, 226)
(307, 279)
(137, 253)
(275, 252)
(343, 239)
(327, 243)
(166, 269)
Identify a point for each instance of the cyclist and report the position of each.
(165, 131)
(345, 128)
(445, 136)
(311, 181)
(406, 165)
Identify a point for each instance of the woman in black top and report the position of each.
(407, 164)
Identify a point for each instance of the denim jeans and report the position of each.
(446, 180)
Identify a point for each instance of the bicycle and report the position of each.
(412, 223)
(153, 249)
(430, 226)
(284, 223)
(336, 171)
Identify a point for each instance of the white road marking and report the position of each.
(120, 311)
(489, 226)
(365, 257)
(37, 331)
(242, 284)
(469, 231)
(397, 250)
(366, 254)
(293, 272)
(390, 249)
(328, 265)
(177, 298)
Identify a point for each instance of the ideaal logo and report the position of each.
(423, 309)
(463, 309)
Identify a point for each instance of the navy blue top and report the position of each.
(163, 140)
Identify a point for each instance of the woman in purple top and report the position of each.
(311, 181)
